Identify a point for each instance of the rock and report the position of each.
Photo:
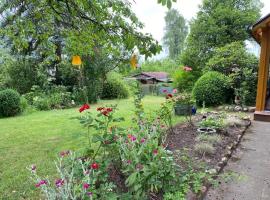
(231, 108)
(220, 108)
(226, 108)
(212, 171)
(245, 109)
(237, 108)
(251, 109)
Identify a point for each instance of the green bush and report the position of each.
(9, 103)
(184, 80)
(23, 103)
(241, 66)
(114, 88)
(41, 103)
(212, 88)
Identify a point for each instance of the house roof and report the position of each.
(256, 29)
(160, 76)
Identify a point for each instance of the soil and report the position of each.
(183, 137)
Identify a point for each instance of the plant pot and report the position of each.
(208, 131)
(181, 110)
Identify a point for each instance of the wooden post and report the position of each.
(263, 70)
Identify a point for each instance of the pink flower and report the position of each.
(86, 186)
(129, 162)
(40, 183)
(64, 153)
(133, 138)
(155, 152)
(142, 140)
(186, 68)
(174, 91)
(59, 182)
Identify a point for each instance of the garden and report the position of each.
(74, 125)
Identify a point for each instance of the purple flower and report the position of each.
(86, 186)
(89, 194)
(142, 140)
(59, 182)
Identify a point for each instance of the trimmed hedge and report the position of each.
(9, 103)
(213, 88)
(113, 89)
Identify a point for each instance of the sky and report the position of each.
(152, 14)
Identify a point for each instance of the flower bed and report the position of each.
(145, 161)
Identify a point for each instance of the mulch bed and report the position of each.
(183, 137)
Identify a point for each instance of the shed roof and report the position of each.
(256, 29)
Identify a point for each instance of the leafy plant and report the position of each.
(213, 122)
(204, 148)
(9, 103)
(212, 139)
(212, 88)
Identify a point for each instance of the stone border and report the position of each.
(223, 162)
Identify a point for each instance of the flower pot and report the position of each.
(182, 110)
(206, 131)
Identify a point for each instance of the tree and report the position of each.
(217, 24)
(176, 31)
(241, 66)
(51, 31)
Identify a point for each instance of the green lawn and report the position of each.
(37, 138)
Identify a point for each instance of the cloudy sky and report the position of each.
(152, 14)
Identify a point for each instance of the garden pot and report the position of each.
(206, 131)
(182, 110)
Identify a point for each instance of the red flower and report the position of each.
(84, 107)
(105, 113)
(155, 152)
(109, 109)
(95, 166)
(100, 108)
(86, 186)
(169, 96)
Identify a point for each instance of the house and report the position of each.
(152, 77)
(261, 33)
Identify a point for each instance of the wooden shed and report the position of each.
(261, 33)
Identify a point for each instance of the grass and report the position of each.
(37, 138)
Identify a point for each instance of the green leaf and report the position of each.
(97, 138)
(169, 4)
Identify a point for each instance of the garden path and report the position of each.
(252, 162)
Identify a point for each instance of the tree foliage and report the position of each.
(50, 32)
(175, 33)
(217, 24)
(234, 61)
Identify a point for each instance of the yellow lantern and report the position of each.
(133, 61)
(76, 61)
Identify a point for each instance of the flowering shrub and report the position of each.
(138, 153)
(77, 179)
